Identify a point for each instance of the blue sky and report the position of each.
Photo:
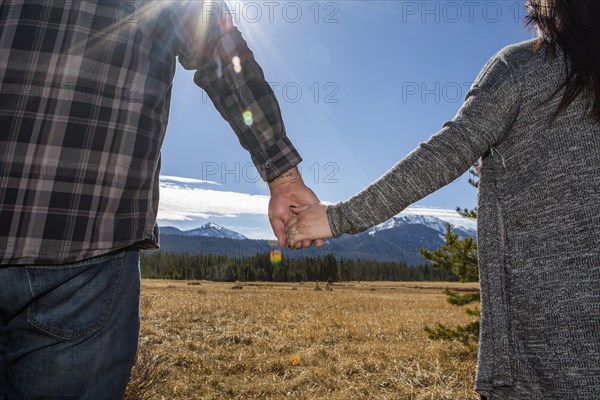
(360, 84)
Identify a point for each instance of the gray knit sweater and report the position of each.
(538, 224)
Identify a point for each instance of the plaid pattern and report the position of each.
(85, 90)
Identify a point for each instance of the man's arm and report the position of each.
(226, 69)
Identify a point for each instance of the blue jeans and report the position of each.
(69, 331)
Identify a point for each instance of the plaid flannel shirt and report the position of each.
(84, 100)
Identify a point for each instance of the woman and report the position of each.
(533, 117)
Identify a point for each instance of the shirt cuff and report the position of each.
(276, 158)
(335, 218)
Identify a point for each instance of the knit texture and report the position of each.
(538, 223)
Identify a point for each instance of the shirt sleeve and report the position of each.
(208, 41)
(487, 114)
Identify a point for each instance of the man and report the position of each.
(85, 92)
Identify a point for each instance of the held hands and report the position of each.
(289, 190)
(308, 223)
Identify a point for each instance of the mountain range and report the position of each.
(398, 239)
(207, 230)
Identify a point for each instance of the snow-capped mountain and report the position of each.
(398, 239)
(434, 223)
(207, 230)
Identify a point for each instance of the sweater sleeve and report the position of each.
(486, 116)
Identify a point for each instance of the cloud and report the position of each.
(180, 200)
(179, 179)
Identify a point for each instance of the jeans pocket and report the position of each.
(73, 300)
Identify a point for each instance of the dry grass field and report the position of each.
(205, 340)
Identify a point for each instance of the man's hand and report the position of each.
(288, 190)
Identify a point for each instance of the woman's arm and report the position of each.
(487, 115)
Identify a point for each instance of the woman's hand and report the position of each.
(309, 222)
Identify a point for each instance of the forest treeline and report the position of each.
(274, 267)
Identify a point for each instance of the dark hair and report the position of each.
(573, 25)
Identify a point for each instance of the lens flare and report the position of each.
(237, 66)
(275, 257)
(247, 115)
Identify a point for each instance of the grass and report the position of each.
(288, 341)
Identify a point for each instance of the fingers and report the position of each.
(294, 221)
(291, 223)
(294, 236)
(299, 227)
(279, 230)
(292, 228)
(297, 241)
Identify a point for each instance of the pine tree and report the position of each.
(458, 256)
